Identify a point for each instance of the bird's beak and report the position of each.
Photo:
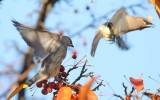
(72, 46)
(17, 90)
(149, 24)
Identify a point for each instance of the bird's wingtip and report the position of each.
(92, 54)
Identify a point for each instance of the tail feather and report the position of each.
(121, 43)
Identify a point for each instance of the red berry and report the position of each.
(74, 56)
(49, 89)
(74, 52)
(74, 97)
(63, 74)
(62, 68)
(52, 84)
(44, 92)
(59, 85)
(39, 84)
(45, 86)
(44, 81)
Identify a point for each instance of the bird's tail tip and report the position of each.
(17, 90)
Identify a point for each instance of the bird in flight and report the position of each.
(119, 25)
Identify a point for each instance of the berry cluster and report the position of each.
(74, 96)
(57, 84)
(47, 87)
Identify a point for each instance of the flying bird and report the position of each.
(119, 25)
(49, 48)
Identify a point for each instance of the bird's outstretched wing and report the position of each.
(123, 23)
(119, 22)
(95, 42)
(42, 42)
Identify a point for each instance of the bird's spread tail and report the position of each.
(121, 43)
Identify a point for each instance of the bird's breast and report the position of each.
(105, 32)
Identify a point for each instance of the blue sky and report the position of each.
(110, 62)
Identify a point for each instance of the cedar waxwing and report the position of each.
(50, 48)
(120, 24)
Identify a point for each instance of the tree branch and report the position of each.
(125, 89)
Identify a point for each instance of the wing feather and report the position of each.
(119, 22)
(123, 23)
(95, 42)
(42, 42)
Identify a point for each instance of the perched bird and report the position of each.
(120, 24)
(50, 48)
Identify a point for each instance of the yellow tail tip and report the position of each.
(17, 90)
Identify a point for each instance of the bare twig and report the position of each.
(97, 87)
(125, 89)
(132, 90)
(118, 96)
(74, 67)
(82, 72)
